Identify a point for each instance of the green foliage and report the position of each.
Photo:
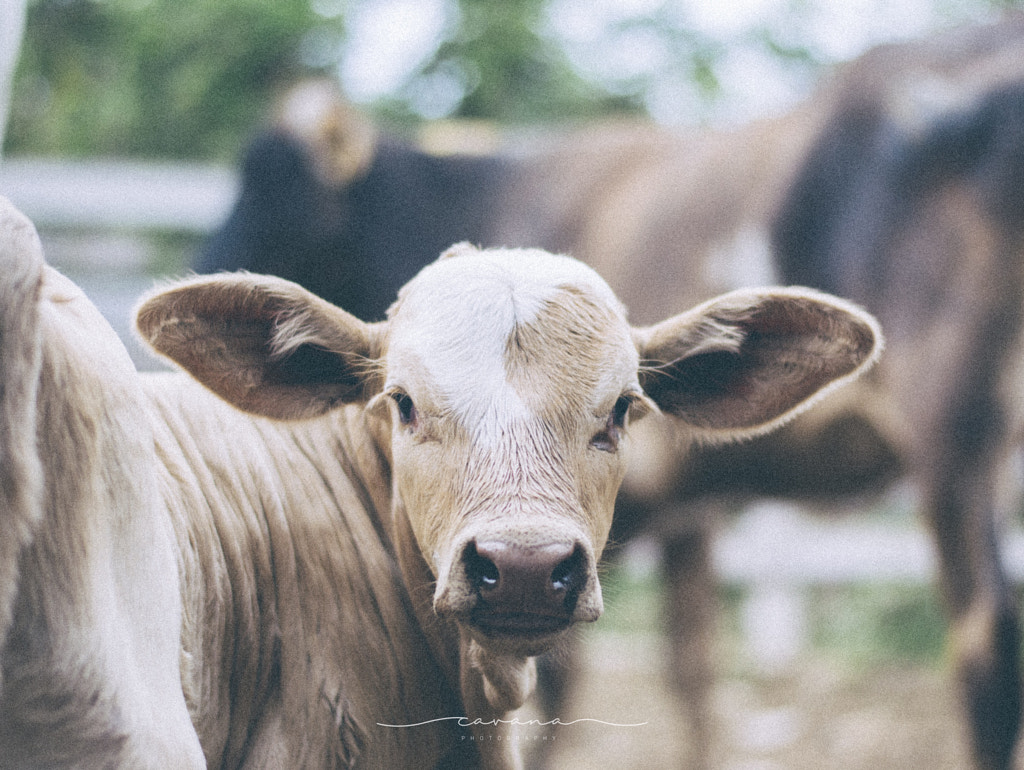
(511, 73)
(165, 78)
(191, 79)
(865, 624)
(633, 603)
(871, 623)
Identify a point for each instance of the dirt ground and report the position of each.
(821, 714)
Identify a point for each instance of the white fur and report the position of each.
(457, 320)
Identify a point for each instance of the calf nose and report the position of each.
(543, 579)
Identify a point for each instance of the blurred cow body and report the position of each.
(911, 201)
(353, 232)
(897, 184)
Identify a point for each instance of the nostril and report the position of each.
(568, 575)
(543, 579)
(481, 571)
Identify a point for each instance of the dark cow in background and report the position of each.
(898, 184)
(351, 218)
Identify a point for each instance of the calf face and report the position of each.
(502, 388)
(510, 388)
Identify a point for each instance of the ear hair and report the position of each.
(748, 361)
(264, 344)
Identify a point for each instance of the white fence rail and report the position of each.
(94, 217)
(775, 542)
(119, 194)
(778, 553)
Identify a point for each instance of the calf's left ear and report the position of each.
(264, 344)
(747, 361)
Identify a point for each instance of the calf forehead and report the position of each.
(503, 331)
(575, 353)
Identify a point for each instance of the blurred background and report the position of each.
(188, 80)
(126, 118)
(125, 123)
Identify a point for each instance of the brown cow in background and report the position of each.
(897, 184)
(912, 201)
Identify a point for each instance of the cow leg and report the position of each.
(557, 673)
(691, 611)
(985, 625)
(961, 446)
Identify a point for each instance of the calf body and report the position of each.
(354, 533)
(92, 615)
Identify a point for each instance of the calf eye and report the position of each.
(607, 440)
(618, 415)
(406, 408)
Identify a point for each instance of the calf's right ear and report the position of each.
(264, 344)
(746, 362)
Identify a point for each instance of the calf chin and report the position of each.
(518, 595)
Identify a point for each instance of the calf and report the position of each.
(355, 533)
